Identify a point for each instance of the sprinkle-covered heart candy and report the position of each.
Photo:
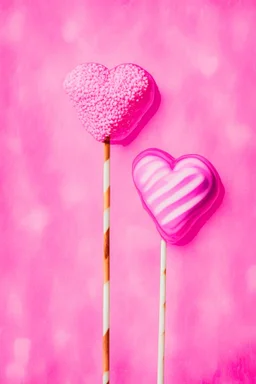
(175, 192)
(110, 103)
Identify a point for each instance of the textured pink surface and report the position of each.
(202, 55)
(110, 103)
(176, 193)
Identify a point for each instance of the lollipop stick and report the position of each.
(106, 263)
(161, 334)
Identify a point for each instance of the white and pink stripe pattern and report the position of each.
(173, 191)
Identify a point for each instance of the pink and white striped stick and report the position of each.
(162, 309)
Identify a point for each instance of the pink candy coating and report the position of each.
(110, 103)
(175, 192)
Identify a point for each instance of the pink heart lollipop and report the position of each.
(177, 193)
(111, 103)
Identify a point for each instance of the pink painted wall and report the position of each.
(202, 55)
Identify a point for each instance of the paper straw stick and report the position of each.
(106, 263)
(162, 308)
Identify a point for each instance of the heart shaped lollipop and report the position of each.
(175, 192)
(179, 194)
(113, 105)
(110, 103)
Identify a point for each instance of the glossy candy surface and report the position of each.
(175, 192)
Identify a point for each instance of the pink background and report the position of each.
(202, 55)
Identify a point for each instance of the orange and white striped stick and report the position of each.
(162, 309)
(106, 263)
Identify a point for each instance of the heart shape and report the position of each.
(110, 103)
(176, 192)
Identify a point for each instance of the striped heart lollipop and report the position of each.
(179, 194)
(175, 192)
